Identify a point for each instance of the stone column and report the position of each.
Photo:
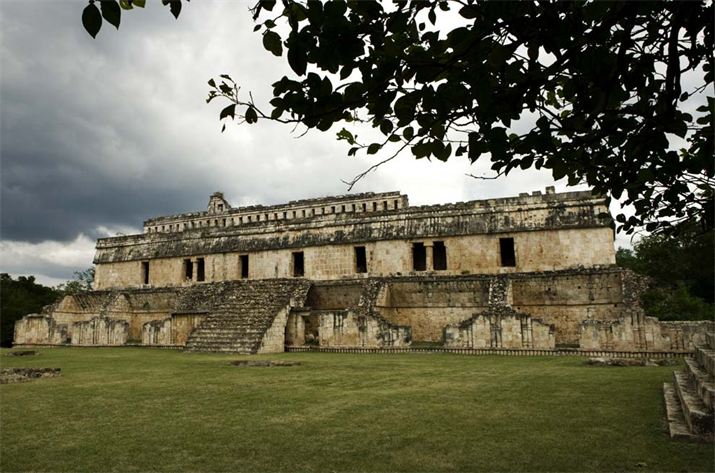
(429, 251)
(194, 270)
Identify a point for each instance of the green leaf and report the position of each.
(256, 28)
(269, 24)
(353, 151)
(373, 148)
(229, 111)
(111, 12)
(139, 3)
(386, 127)
(468, 12)
(297, 58)
(268, 4)
(251, 115)
(212, 83)
(92, 20)
(126, 5)
(175, 8)
(272, 42)
(408, 133)
(346, 135)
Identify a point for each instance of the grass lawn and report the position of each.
(134, 409)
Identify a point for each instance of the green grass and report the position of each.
(133, 409)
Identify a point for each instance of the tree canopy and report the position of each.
(597, 92)
(681, 271)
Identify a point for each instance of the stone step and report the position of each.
(698, 417)
(677, 428)
(710, 340)
(703, 382)
(706, 358)
(224, 348)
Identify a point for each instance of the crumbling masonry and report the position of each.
(364, 270)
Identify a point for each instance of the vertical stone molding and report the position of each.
(100, 331)
(500, 327)
(39, 329)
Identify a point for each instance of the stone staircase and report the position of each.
(242, 312)
(690, 398)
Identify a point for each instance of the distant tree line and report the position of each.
(22, 296)
(682, 273)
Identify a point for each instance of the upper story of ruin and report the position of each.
(220, 213)
(361, 235)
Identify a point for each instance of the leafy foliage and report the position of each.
(19, 298)
(682, 271)
(592, 91)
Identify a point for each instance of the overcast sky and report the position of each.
(97, 135)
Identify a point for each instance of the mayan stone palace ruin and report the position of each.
(365, 270)
(533, 274)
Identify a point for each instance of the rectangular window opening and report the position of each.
(354, 208)
(360, 260)
(244, 266)
(332, 209)
(397, 204)
(298, 264)
(188, 270)
(200, 270)
(374, 206)
(508, 256)
(384, 205)
(145, 272)
(439, 256)
(364, 207)
(220, 207)
(224, 222)
(342, 209)
(419, 257)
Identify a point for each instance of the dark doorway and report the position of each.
(244, 266)
(188, 269)
(298, 264)
(439, 256)
(506, 247)
(200, 270)
(419, 257)
(360, 260)
(145, 272)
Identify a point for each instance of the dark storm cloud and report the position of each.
(108, 132)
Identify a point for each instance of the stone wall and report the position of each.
(503, 329)
(39, 329)
(274, 338)
(550, 232)
(559, 298)
(157, 332)
(100, 331)
(344, 328)
(499, 325)
(637, 332)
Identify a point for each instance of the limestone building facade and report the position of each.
(356, 271)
